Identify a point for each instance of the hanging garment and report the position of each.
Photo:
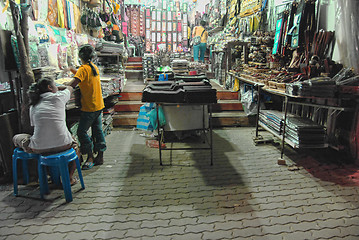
(65, 13)
(60, 14)
(43, 10)
(77, 19)
(53, 13)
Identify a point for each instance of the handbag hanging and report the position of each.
(197, 39)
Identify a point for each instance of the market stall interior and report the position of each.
(284, 64)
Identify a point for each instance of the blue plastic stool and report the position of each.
(24, 156)
(60, 161)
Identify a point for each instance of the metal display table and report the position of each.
(291, 100)
(206, 130)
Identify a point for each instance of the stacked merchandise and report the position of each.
(148, 67)
(107, 120)
(110, 47)
(315, 87)
(261, 47)
(300, 131)
(166, 71)
(176, 92)
(305, 133)
(44, 72)
(219, 72)
(109, 65)
(179, 66)
(272, 119)
(110, 86)
(199, 68)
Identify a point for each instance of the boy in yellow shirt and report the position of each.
(92, 104)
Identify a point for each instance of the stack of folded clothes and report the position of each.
(190, 78)
(180, 92)
(180, 66)
(111, 47)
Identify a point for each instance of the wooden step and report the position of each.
(127, 96)
(125, 119)
(233, 119)
(134, 59)
(128, 106)
(134, 74)
(227, 105)
(227, 95)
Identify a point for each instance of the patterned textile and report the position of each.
(53, 13)
(42, 10)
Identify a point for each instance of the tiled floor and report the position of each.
(244, 195)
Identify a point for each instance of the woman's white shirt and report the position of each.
(48, 117)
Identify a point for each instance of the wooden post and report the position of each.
(27, 76)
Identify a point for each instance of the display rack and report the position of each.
(289, 100)
(208, 139)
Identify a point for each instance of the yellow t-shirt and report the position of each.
(90, 86)
(198, 32)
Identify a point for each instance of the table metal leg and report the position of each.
(284, 127)
(210, 132)
(258, 110)
(158, 134)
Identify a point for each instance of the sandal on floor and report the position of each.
(87, 165)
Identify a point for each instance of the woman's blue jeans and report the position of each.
(199, 49)
(97, 143)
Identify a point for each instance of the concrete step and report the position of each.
(232, 119)
(227, 105)
(128, 106)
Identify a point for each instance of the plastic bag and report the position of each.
(43, 54)
(143, 120)
(34, 55)
(249, 99)
(153, 117)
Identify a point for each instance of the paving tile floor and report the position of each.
(244, 195)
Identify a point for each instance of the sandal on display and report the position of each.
(87, 165)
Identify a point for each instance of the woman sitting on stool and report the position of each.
(47, 116)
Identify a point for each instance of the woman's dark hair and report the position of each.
(87, 53)
(38, 88)
(203, 23)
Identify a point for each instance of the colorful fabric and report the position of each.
(53, 13)
(90, 86)
(77, 19)
(60, 14)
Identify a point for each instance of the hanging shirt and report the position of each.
(49, 120)
(90, 86)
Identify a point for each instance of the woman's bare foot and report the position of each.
(73, 181)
